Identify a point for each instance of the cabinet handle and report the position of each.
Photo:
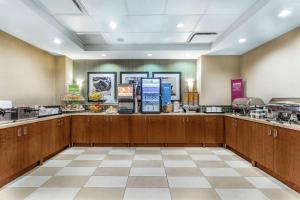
(275, 133)
(19, 132)
(269, 132)
(25, 131)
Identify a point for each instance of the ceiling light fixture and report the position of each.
(57, 41)
(284, 13)
(149, 54)
(187, 55)
(103, 55)
(180, 25)
(242, 40)
(113, 25)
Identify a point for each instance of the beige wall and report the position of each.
(26, 72)
(273, 70)
(216, 73)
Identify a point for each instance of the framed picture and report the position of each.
(104, 82)
(127, 77)
(171, 77)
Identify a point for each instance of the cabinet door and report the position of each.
(59, 134)
(138, 129)
(99, 129)
(66, 131)
(31, 144)
(156, 129)
(230, 132)
(214, 129)
(295, 155)
(48, 146)
(80, 129)
(258, 143)
(194, 130)
(245, 133)
(10, 153)
(283, 152)
(119, 129)
(175, 129)
(268, 146)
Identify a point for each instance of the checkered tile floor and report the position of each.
(147, 174)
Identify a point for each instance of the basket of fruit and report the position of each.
(96, 96)
(96, 108)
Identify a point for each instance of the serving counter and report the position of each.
(273, 147)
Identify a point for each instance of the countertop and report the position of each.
(262, 121)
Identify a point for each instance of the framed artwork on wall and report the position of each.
(127, 77)
(174, 78)
(104, 82)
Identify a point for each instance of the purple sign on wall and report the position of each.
(237, 89)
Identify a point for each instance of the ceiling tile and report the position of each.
(145, 7)
(215, 23)
(90, 39)
(60, 6)
(105, 7)
(78, 23)
(146, 38)
(122, 23)
(229, 6)
(186, 7)
(190, 22)
(146, 23)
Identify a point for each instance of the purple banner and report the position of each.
(237, 89)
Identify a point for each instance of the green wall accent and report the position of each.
(81, 67)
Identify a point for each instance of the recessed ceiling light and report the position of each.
(149, 54)
(187, 55)
(57, 41)
(180, 25)
(242, 40)
(103, 55)
(113, 25)
(284, 13)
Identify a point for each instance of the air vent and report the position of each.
(203, 37)
(91, 39)
(62, 7)
(80, 6)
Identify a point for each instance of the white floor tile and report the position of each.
(90, 157)
(116, 163)
(241, 194)
(122, 152)
(147, 172)
(174, 152)
(262, 182)
(107, 181)
(53, 194)
(219, 172)
(205, 157)
(179, 163)
(147, 157)
(222, 152)
(30, 181)
(73, 151)
(76, 171)
(239, 164)
(147, 194)
(188, 182)
(56, 163)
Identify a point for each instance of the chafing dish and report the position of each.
(284, 109)
(243, 106)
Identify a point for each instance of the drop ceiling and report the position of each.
(147, 26)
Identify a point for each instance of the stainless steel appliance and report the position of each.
(151, 95)
(243, 106)
(126, 99)
(45, 111)
(284, 110)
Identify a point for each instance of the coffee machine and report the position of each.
(126, 98)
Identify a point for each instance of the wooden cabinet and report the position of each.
(230, 132)
(98, 128)
(245, 137)
(294, 144)
(138, 130)
(194, 130)
(119, 129)
(81, 129)
(175, 129)
(66, 131)
(213, 130)
(156, 129)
